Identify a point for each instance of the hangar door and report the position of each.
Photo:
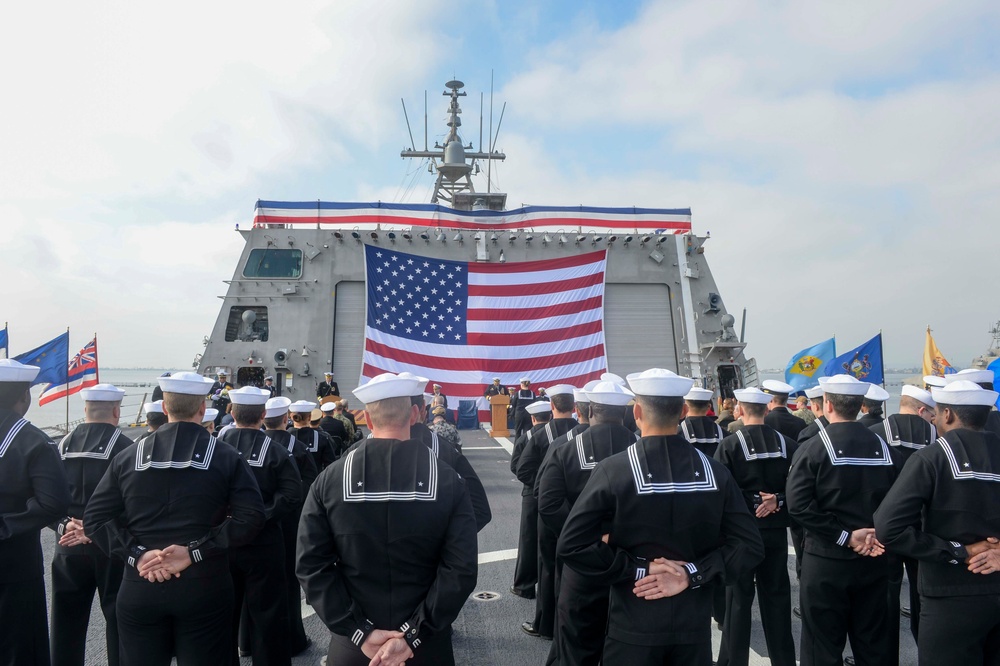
(348, 337)
(639, 328)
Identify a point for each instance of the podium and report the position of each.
(498, 415)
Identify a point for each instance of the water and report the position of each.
(136, 383)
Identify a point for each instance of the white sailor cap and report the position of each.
(876, 393)
(153, 407)
(843, 385)
(752, 395)
(698, 394)
(610, 393)
(612, 377)
(970, 375)
(580, 395)
(210, 414)
(524, 380)
(301, 407)
(423, 383)
(102, 393)
(539, 407)
(918, 394)
(934, 380)
(591, 384)
(249, 395)
(188, 383)
(328, 406)
(964, 392)
(774, 387)
(387, 385)
(559, 389)
(814, 392)
(276, 406)
(14, 371)
(659, 382)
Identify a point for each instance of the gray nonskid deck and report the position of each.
(488, 632)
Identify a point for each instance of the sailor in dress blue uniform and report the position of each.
(675, 521)
(33, 493)
(79, 568)
(779, 417)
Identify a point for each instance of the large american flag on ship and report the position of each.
(81, 373)
(462, 323)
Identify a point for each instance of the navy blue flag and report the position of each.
(5, 343)
(51, 358)
(863, 362)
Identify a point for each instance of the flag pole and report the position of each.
(67, 380)
(881, 353)
(96, 363)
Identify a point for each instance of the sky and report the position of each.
(844, 156)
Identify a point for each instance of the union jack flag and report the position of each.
(81, 373)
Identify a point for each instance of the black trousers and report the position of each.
(297, 641)
(626, 654)
(433, 651)
(522, 422)
(897, 565)
(545, 601)
(24, 632)
(77, 573)
(798, 539)
(581, 620)
(956, 631)
(770, 579)
(526, 569)
(188, 617)
(258, 572)
(844, 599)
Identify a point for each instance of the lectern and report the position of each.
(498, 415)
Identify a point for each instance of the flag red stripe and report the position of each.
(554, 335)
(511, 314)
(536, 289)
(480, 364)
(348, 221)
(540, 265)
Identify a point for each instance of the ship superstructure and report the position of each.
(296, 305)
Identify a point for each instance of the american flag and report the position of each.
(461, 324)
(82, 372)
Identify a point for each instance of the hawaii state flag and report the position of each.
(864, 362)
(462, 323)
(805, 368)
(81, 373)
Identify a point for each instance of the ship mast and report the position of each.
(453, 186)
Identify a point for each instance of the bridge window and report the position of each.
(273, 263)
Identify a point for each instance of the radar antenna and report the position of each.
(451, 161)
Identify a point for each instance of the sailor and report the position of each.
(211, 416)
(674, 521)
(872, 412)
(317, 442)
(334, 427)
(779, 417)
(582, 604)
(341, 414)
(526, 566)
(836, 482)
(726, 413)
(943, 511)
(444, 430)
(275, 424)
(906, 432)
(523, 397)
(495, 389)
(171, 507)
(258, 568)
(343, 409)
(803, 411)
(33, 493)
(269, 386)
(561, 403)
(79, 567)
(327, 387)
(387, 549)
(158, 392)
(815, 395)
(985, 379)
(220, 395)
(155, 418)
(758, 456)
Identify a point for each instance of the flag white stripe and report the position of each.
(534, 301)
(526, 352)
(535, 277)
(535, 325)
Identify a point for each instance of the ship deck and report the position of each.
(488, 632)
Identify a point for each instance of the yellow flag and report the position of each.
(934, 362)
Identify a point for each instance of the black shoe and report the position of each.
(797, 612)
(904, 611)
(530, 594)
(848, 660)
(529, 628)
